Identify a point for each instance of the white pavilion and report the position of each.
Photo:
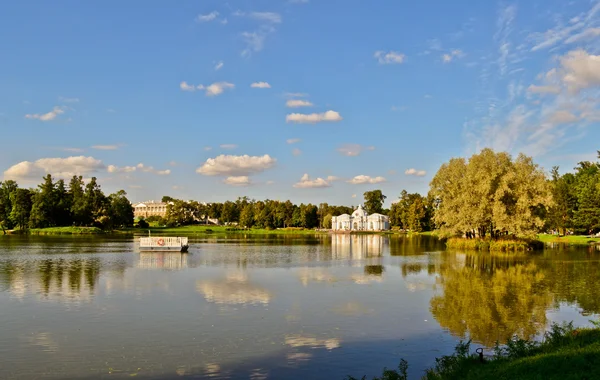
(360, 221)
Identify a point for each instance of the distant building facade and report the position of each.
(150, 208)
(360, 221)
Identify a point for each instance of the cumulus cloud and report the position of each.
(307, 183)
(295, 103)
(331, 116)
(229, 165)
(260, 85)
(415, 172)
(391, 57)
(352, 150)
(59, 167)
(208, 17)
(214, 89)
(361, 179)
(332, 178)
(580, 70)
(449, 57)
(47, 116)
(292, 141)
(105, 147)
(149, 169)
(237, 181)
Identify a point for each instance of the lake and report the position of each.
(271, 307)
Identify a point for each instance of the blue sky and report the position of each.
(348, 96)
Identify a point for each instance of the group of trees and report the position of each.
(491, 194)
(54, 204)
(412, 212)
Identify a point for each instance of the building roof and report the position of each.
(359, 212)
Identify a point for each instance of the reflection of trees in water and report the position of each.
(492, 306)
(374, 270)
(403, 245)
(493, 297)
(56, 276)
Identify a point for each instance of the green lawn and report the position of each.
(66, 231)
(570, 239)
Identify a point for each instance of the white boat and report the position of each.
(160, 243)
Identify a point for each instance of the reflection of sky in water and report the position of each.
(336, 305)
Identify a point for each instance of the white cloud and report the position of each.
(581, 70)
(260, 85)
(68, 100)
(60, 167)
(292, 141)
(332, 178)
(307, 183)
(228, 146)
(208, 148)
(47, 116)
(184, 86)
(296, 152)
(208, 17)
(588, 33)
(124, 169)
(294, 103)
(218, 88)
(237, 181)
(72, 150)
(229, 165)
(214, 89)
(219, 65)
(353, 195)
(331, 116)
(352, 150)
(543, 89)
(270, 182)
(391, 57)
(266, 16)
(449, 57)
(149, 169)
(446, 58)
(361, 179)
(105, 147)
(415, 172)
(295, 95)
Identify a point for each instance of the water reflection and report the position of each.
(234, 289)
(346, 246)
(163, 260)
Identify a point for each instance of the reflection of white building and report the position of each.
(357, 246)
(162, 260)
(360, 221)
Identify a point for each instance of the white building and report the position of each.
(150, 208)
(360, 221)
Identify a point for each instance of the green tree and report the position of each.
(76, 194)
(247, 216)
(95, 202)
(21, 207)
(416, 215)
(120, 210)
(7, 189)
(43, 210)
(62, 212)
(374, 201)
(179, 213)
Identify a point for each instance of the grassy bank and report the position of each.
(569, 239)
(61, 231)
(203, 229)
(565, 353)
(498, 245)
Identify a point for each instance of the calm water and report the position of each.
(270, 307)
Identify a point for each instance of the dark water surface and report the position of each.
(271, 307)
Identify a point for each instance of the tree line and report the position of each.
(55, 204)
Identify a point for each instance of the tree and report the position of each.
(43, 210)
(78, 205)
(247, 216)
(179, 213)
(374, 201)
(21, 207)
(490, 194)
(120, 210)
(95, 202)
(62, 212)
(7, 189)
(166, 199)
(416, 215)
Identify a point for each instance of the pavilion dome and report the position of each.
(359, 212)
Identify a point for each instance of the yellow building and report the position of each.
(151, 208)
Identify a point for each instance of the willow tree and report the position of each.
(490, 194)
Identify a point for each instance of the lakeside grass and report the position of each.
(565, 353)
(61, 231)
(569, 239)
(496, 245)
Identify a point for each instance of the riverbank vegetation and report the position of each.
(564, 353)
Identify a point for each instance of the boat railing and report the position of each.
(163, 241)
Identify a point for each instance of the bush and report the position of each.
(142, 224)
(497, 245)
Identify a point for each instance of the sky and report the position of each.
(308, 100)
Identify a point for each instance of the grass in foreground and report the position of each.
(569, 239)
(565, 353)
